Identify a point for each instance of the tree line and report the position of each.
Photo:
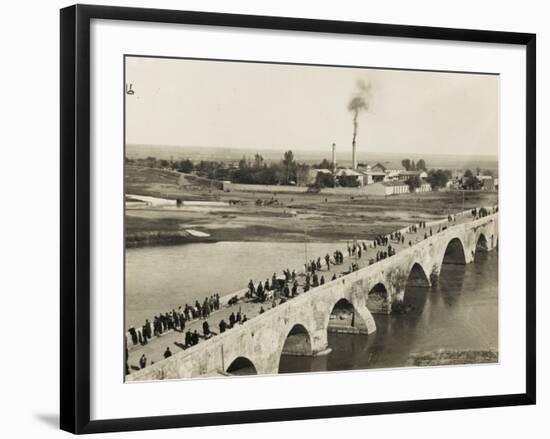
(287, 171)
(253, 170)
(410, 165)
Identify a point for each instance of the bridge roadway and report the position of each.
(458, 242)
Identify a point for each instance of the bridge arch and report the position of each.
(482, 245)
(344, 317)
(454, 252)
(297, 342)
(242, 366)
(415, 293)
(417, 277)
(377, 298)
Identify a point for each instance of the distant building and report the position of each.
(405, 175)
(389, 188)
(370, 176)
(396, 187)
(379, 167)
(313, 173)
(351, 175)
(487, 181)
(366, 175)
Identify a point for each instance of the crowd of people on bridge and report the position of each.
(174, 319)
(482, 212)
(278, 289)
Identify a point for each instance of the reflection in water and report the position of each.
(451, 283)
(460, 312)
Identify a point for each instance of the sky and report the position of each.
(262, 106)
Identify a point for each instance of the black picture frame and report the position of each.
(75, 217)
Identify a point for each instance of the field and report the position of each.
(275, 217)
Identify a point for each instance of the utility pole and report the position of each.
(305, 241)
(288, 173)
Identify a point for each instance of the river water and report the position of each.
(460, 313)
(161, 278)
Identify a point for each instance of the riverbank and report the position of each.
(152, 238)
(280, 217)
(443, 357)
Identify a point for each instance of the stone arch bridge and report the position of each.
(300, 326)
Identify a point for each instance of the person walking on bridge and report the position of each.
(222, 326)
(143, 362)
(182, 322)
(294, 288)
(206, 329)
(133, 335)
(251, 289)
(167, 353)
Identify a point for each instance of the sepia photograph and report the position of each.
(297, 218)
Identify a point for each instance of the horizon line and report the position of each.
(276, 149)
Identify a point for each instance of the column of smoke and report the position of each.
(357, 104)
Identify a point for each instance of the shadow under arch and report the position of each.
(344, 318)
(417, 289)
(451, 277)
(297, 342)
(242, 366)
(482, 245)
(377, 299)
(417, 277)
(454, 253)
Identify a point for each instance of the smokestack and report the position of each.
(358, 104)
(333, 156)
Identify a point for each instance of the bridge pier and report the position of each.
(434, 274)
(398, 295)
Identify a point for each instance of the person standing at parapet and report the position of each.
(143, 362)
(133, 335)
